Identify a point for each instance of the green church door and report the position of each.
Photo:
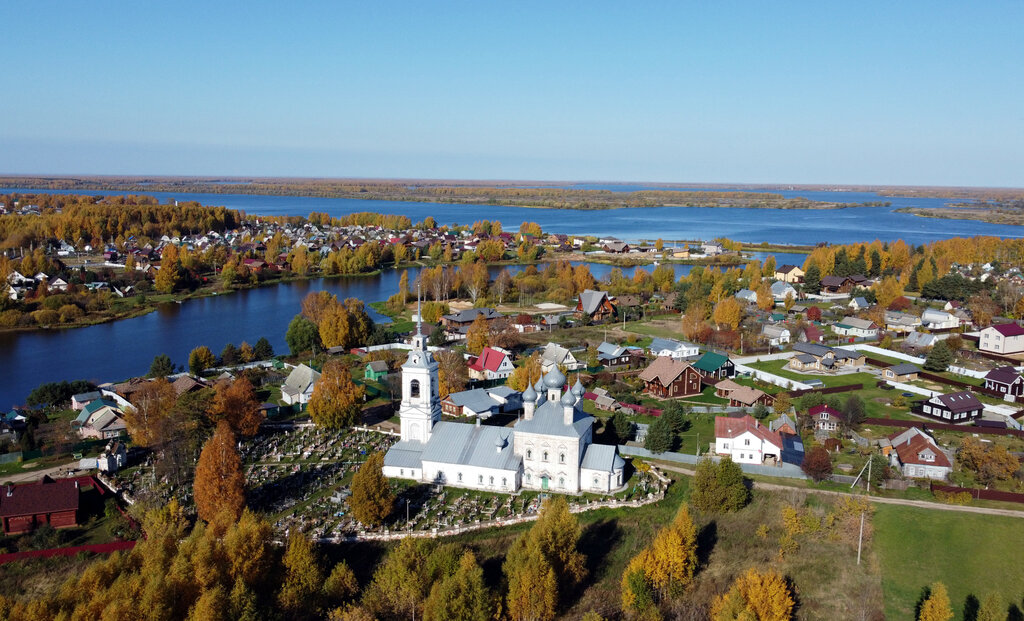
(544, 482)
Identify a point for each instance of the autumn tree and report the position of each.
(992, 608)
(755, 596)
(728, 311)
(167, 276)
(452, 374)
(813, 313)
(526, 373)
(219, 483)
(303, 577)
(936, 606)
(817, 464)
(237, 403)
(371, 499)
(887, 291)
(336, 402)
(152, 404)
(664, 569)
(544, 562)
(719, 486)
(765, 300)
(782, 403)
(201, 359)
(477, 336)
(463, 596)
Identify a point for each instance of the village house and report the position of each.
(493, 363)
(1007, 338)
(671, 348)
(616, 247)
(748, 397)
(476, 402)
(824, 418)
(901, 323)
(102, 418)
(1005, 381)
(667, 378)
(457, 324)
(612, 356)
(904, 372)
(955, 407)
(776, 335)
(836, 284)
(715, 366)
(921, 340)
(858, 303)
(937, 320)
(789, 273)
(783, 425)
(113, 458)
(82, 399)
(856, 327)
(747, 441)
(747, 296)
(298, 388)
(596, 305)
(48, 501)
(916, 455)
(783, 290)
(375, 371)
(554, 355)
(810, 333)
(815, 357)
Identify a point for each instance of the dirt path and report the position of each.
(34, 475)
(921, 504)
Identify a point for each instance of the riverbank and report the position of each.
(991, 215)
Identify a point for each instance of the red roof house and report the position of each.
(23, 507)
(493, 363)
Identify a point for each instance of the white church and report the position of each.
(550, 448)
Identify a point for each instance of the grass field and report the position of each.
(971, 554)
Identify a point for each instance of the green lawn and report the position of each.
(777, 367)
(971, 554)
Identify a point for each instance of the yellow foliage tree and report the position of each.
(236, 402)
(336, 402)
(765, 301)
(729, 312)
(755, 596)
(665, 568)
(936, 606)
(887, 291)
(148, 417)
(478, 335)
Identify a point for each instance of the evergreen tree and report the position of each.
(719, 487)
(659, 437)
(263, 349)
(161, 366)
(371, 499)
(812, 279)
(939, 358)
(622, 427)
(229, 355)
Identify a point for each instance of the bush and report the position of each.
(719, 487)
(46, 317)
(70, 312)
(817, 464)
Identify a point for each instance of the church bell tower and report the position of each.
(421, 401)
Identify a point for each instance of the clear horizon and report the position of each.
(914, 94)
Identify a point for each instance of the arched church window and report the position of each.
(529, 453)
(460, 477)
(414, 389)
(545, 456)
(561, 458)
(480, 479)
(492, 481)
(596, 482)
(561, 481)
(504, 481)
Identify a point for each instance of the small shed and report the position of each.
(376, 370)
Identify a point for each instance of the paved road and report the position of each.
(34, 475)
(921, 504)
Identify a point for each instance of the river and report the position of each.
(120, 349)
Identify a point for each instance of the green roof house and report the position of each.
(376, 370)
(715, 366)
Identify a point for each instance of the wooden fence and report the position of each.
(979, 494)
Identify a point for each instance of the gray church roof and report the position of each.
(471, 445)
(602, 457)
(405, 455)
(547, 420)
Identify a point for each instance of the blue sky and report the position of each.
(816, 92)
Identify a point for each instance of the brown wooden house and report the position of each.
(24, 507)
(596, 305)
(666, 378)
